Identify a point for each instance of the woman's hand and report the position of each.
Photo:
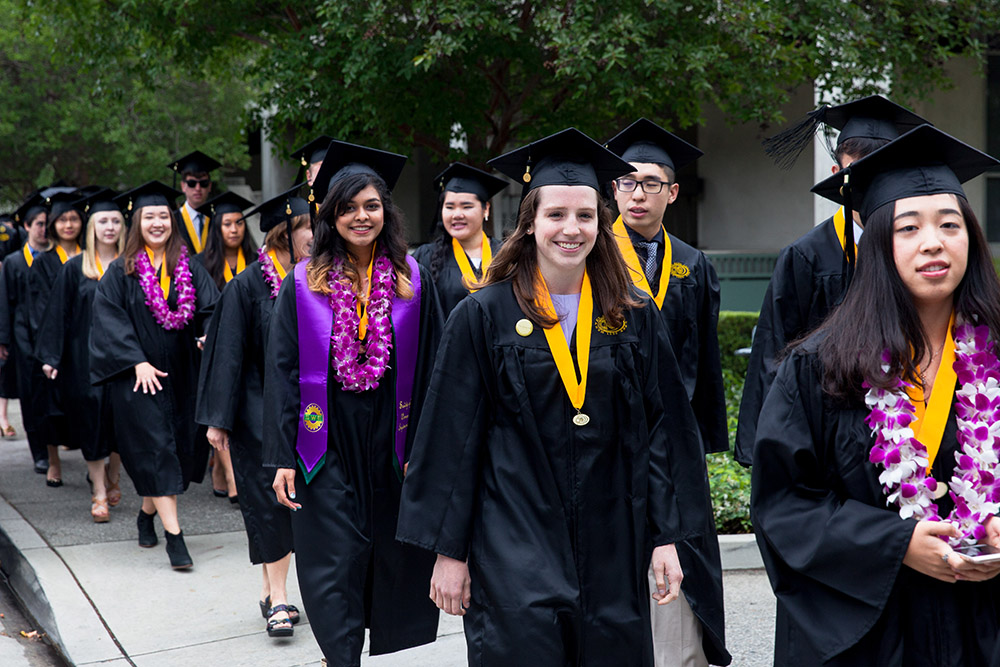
(451, 588)
(218, 438)
(966, 570)
(284, 487)
(927, 552)
(50, 372)
(666, 570)
(201, 342)
(148, 377)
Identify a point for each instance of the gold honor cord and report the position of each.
(632, 262)
(28, 257)
(62, 253)
(164, 276)
(575, 389)
(241, 263)
(468, 275)
(932, 419)
(196, 241)
(840, 224)
(362, 306)
(277, 265)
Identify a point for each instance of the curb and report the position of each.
(51, 594)
(740, 552)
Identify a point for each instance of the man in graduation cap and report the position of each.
(311, 156)
(196, 184)
(682, 282)
(811, 274)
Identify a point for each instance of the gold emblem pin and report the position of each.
(524, 327)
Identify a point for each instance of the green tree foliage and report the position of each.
(70, 109)
(496, 72)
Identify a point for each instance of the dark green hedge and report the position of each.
(730, 482)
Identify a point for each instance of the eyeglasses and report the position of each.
(650, 187)
(204, 183)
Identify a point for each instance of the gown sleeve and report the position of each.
(709, 399)
(781, 321)
(114, 343)
(222, 360)
(677, 500)
(6, 305)
(206, 294)
(832, 559)
(58, 315)
(439, 492)
(281, 381)
(431, 324)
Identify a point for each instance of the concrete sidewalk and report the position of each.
(103, 600)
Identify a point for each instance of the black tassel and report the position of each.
(848, 231)
(786, 146)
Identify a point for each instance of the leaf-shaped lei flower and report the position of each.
(351, 370)
(156, 302)
(974, 486)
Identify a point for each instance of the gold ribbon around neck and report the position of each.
(932, 417)
(164, 276)
(465, 266)
(277, 265)
(632, 262)
(840, 224)
(62, 253)
(241, 263)
(196, 241)
(576, 389)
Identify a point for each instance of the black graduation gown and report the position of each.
(155, 434)
(834, 551)
(16, 334)
(557, 521)
(231, 395)
(807, 282)
(450, 287)
(691, 313)
(63, 343)
(352, 572)
(45, 393)
(200, 258)
(11, 239)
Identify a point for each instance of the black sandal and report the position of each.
(282, 627)
(265, 607)
(293, 611)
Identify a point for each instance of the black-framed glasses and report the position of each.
(649, 186)
(204, 182)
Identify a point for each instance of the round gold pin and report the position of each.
(524, 327)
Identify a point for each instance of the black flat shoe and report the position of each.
(220, 494)
(147, 533)
(234, 500)
(54, 483)
(180, 559)
(279, 627)
(42, 466)
(265, 606)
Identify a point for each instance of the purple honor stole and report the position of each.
(315, 322)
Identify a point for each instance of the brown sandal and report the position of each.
(99, 510)
(114, 489)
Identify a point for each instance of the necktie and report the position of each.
(197, 223)
(650, 268)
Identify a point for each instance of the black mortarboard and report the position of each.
(872, 117)
(61, 202)
(646, 142)
(344, 159)
(57, 190)
(924, 161)
(153, 193)
(460, 177)
(314, 151)
(194, 163)
(103, 199)
(280, 209)
(227, 202)
(568, 157)
(32, 206)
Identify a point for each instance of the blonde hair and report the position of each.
(89, 251)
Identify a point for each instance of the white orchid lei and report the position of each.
(975, 482)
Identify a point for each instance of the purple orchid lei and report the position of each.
(270, 273)
(155, 301)
(345, 352)
(974, 486)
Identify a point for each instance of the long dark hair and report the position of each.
(517, 262)
(878, 312)
(214, 255)
(329, 246)
(442, 239)
(134, 243)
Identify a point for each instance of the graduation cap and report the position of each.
(568, 157)
(100, 200)
(283, 208)
(872, 117)
(194, 163)
(924, 161)
(646, 142)
(227, 202)
(62, 202)
(152, 193)
(314, 151)
(344, 159)
(459, 177)
(32, 206)
(57, 190)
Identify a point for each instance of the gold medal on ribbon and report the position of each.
(575, 389)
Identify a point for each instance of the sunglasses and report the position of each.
(204, 183)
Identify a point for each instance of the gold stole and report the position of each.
(363, 306)
(277, 265)
(164, 277)
(932, 419)
(241, 263)
(632, 262)
(198, 243)
(100, 267)
(62, 253)
(465, 266)
(28, 257)
(576, 390)
(840, 224)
